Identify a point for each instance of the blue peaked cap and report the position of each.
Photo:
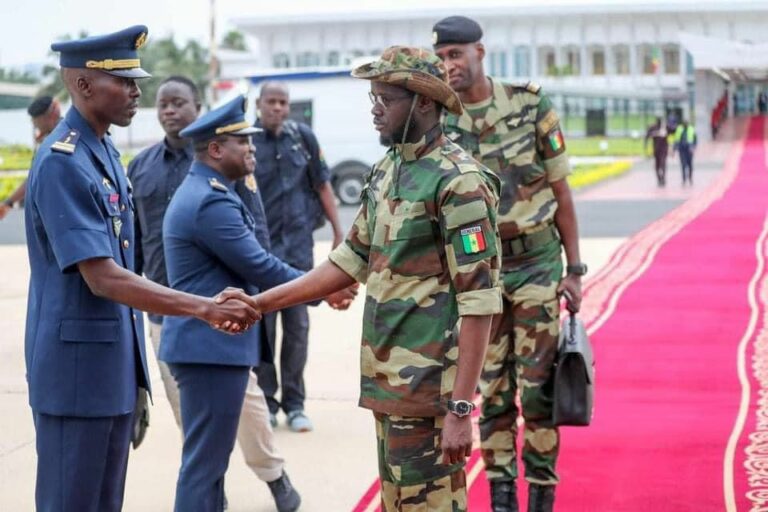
(116, 53)
(228, 119)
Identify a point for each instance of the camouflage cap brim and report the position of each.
(417, 81)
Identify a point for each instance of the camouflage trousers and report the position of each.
(521, 357)
(412, 474)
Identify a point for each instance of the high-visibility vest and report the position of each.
(690, 135)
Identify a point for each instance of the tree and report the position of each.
(164, 58)
(234, 40)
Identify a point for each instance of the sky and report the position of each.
(28, 30)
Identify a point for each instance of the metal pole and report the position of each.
(212, 63)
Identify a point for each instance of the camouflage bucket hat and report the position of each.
(415, 69)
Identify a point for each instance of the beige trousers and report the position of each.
(254, 433)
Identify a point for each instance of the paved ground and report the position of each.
(332, 466)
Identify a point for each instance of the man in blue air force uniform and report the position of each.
(209, 243)
(84, 346)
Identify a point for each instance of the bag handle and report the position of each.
(571, 337)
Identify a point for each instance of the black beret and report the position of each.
(456, 30)
(40, 106)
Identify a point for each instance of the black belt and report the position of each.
(528, 242)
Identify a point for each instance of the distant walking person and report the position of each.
(762, 102)
(685, 144)
(45, 112)
(658, 133)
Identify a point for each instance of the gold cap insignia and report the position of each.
(141, 40)
(434, 37)
(232, 127)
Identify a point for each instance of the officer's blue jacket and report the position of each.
(84, 354)
(209, 244)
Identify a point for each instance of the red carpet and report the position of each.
(680, 330)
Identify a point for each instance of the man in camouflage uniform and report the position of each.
(426, 244)
(514, 131)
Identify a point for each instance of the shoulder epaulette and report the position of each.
(66, 144)
(531, 87)
(217, 185)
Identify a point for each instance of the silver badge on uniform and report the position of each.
(117, 225)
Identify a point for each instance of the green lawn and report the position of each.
(592, 146)
(15, 157)
(615, 123)
(8, 184)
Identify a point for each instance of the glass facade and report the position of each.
(522, 61)
(598, 62)
(498, 63)
(671, 58)
(621, 59)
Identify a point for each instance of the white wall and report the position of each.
(709, 88)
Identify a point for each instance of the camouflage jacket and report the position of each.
(516, 133)
(425, 242)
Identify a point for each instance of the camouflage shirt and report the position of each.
(515, 133)
(425, 242)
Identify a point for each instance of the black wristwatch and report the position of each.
(460, 408)
(578, 269)
(9, 203)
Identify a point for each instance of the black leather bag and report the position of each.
(574, 376)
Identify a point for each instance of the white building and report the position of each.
(611, 49)
(610, 66)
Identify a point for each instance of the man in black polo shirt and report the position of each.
(156, 173)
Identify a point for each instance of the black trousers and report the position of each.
(660, 161)
(293, 359)
(686, 163)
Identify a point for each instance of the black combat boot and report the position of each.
(286, 497)
(541, 498)
(504, 496)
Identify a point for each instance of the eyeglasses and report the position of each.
(386, 101)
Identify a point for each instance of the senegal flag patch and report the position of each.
(473, 240)
(556, 140)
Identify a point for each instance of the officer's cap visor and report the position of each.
(128, 73)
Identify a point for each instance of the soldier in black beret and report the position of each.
(456, 30)
(513, 129)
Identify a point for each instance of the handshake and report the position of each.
(233, 311)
